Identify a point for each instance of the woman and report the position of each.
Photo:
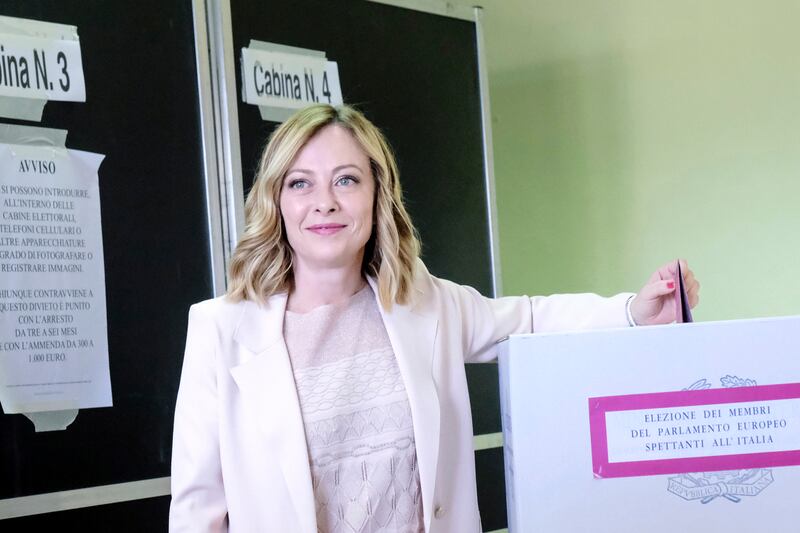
(326, 391)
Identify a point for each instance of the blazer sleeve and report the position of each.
(486, 321)
(198, 496)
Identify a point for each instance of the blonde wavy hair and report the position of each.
(262, 262)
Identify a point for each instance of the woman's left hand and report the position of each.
(655, 303)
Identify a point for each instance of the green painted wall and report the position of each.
(628, 133)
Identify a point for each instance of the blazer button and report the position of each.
(438, 512)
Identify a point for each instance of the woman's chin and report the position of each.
(333, 261)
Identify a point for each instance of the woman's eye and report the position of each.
(346, 180)
(298, 184)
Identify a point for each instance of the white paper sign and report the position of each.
(45, 68)
(288, 81)
(703, 431)
(53, 338)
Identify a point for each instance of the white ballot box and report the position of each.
(677, 428)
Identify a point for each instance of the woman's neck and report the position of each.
(314, 287)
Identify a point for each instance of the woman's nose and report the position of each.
(326, 200)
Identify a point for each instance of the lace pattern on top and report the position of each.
(357, 419)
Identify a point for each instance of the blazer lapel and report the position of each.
(412, 336)
(266, 381)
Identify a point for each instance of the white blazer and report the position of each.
(239, 455)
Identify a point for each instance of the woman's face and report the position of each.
(327, 201)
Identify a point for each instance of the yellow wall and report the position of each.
(631, 132)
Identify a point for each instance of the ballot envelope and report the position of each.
(676, 428)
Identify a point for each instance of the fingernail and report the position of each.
(670, 284)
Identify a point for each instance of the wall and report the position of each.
(631, 132)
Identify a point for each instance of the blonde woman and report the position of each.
(326, 392)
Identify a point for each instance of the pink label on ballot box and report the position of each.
(695, 430)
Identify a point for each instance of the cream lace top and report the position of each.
(357, 419)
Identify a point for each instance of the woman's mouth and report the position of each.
(326, 229)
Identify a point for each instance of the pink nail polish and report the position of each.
(670, 284)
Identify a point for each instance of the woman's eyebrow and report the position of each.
(335, 169)
(301, 170)
(348, 165)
